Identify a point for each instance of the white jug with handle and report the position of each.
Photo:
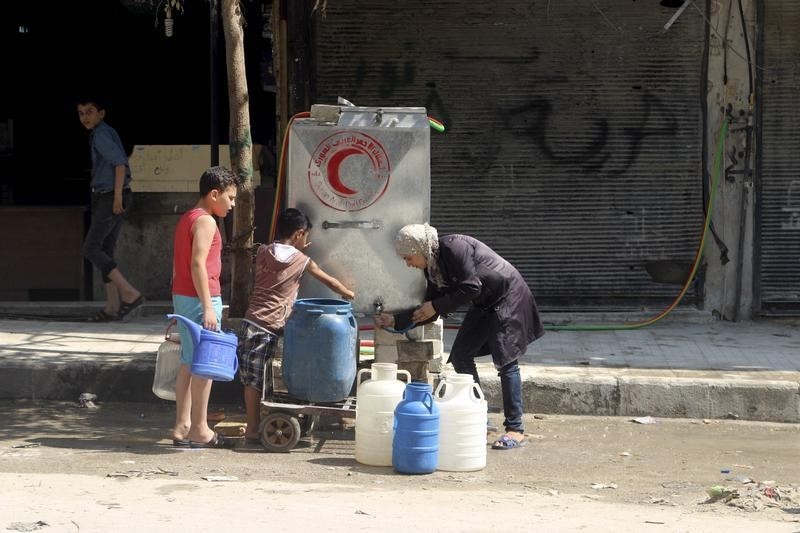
(462, 423)
(376, 400)
(168, 361)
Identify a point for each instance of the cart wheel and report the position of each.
(307, 423)
(280, 432)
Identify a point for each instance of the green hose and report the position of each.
(715, 176)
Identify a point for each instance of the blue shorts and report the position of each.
(191, 308)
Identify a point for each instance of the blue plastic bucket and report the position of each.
(319, 350)
(415, 445)
(214, 352)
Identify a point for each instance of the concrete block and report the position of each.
(385, 353)
(415, 350)
(773, 401)
(386, 345)
(437, 346)
(417, 369)
(386, 342)
(383, 337)
(438, 364)
(230, 429)
(434, 330)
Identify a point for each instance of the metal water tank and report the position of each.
(360, 177)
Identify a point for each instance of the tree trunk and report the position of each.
(241, 152)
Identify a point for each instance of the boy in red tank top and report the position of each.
(196, 294)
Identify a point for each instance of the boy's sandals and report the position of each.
(127, 308)
(102, 316)
(217, 441)
(507, 443)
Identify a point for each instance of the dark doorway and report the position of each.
(53, 53)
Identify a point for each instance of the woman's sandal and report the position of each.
(102, 316)
(127, 308)
(507, 443)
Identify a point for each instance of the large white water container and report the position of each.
(376, 399)
(462, 423)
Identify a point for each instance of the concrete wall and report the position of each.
(729, 274)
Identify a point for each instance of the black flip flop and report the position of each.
(217, 441)
(127, 308)
(102, 316)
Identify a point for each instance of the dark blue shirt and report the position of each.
(107, 153)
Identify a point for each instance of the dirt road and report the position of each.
(113, 469)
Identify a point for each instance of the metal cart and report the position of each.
(285, 419)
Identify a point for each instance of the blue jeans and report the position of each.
(101, 238)
(510, 384)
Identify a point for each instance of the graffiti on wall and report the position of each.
(610, 145)
(596, 154)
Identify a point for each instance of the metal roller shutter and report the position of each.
(780, 181)
(574, 129)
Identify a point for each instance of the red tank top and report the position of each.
(182, 283)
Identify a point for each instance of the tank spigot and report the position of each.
(378, 304)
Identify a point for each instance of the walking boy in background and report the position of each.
(196, 295)
(279, 267)
(111, 198)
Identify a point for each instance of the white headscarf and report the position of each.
(421, 239)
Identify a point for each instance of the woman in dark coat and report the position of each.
(501, 320)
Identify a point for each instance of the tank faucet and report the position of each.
(378, 304)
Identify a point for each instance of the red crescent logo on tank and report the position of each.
(349, 171)
(333, 171)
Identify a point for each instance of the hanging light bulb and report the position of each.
(169, 24)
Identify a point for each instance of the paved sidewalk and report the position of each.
(687, 365)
